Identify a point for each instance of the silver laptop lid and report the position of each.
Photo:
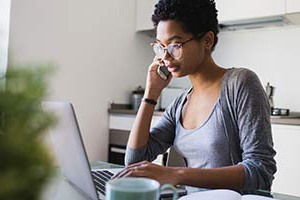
(69, 148)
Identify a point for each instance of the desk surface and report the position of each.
(59, 189)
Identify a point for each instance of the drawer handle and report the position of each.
(117, 150)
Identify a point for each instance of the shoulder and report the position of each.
(242, 86)
(242, 78)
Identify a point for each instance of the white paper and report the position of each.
(213, 195)
(222, 194)
(255, 197)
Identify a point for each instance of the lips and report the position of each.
(172, 68)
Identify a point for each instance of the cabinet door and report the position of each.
(286, 143)
(292, 6)
(232, 10)
(144, 10)
(125, 121)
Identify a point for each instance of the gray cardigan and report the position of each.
(246, 120)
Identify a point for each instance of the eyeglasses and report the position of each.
(174, 50)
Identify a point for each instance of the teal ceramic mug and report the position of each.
(136, 189)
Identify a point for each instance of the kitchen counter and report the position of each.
(127, 109)
(292, 119)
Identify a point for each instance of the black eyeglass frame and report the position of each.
(200, 35)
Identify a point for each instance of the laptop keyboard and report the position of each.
(100, 178)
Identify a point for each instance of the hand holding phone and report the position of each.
(158, 78)
(163, 72)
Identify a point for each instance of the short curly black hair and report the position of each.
(195, 16)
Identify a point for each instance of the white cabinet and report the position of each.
(229, 10)
(292, 6)
(144, 10)
(125, 121)
(286, 143)
(233, 10)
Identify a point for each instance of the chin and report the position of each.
(178, 74)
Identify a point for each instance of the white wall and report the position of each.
(273, 53)
(100, 57)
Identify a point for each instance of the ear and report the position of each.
(209, 39)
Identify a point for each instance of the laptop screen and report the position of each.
(69, 148)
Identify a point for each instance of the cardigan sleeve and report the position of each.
(160, 139)
(255, 135)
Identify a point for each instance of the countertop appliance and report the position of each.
(136, 97)
(270, 90)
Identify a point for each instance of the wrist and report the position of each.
(151, 95)
(150, 101)
(178, 174)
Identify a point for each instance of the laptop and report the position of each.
(71, 155)
(72, 158)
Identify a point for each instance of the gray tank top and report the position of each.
(205, 146)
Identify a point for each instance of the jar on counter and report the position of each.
(136, 97)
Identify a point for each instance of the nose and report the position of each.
(167, 56)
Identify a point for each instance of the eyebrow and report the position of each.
(175, 37)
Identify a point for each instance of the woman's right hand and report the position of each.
(155, 84)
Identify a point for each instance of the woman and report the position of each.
(221, 126)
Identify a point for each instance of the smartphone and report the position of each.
(163, 72)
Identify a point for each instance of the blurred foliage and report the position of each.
(25, 164)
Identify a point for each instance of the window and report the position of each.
(4, 32)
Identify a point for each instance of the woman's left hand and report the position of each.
(149, 170)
